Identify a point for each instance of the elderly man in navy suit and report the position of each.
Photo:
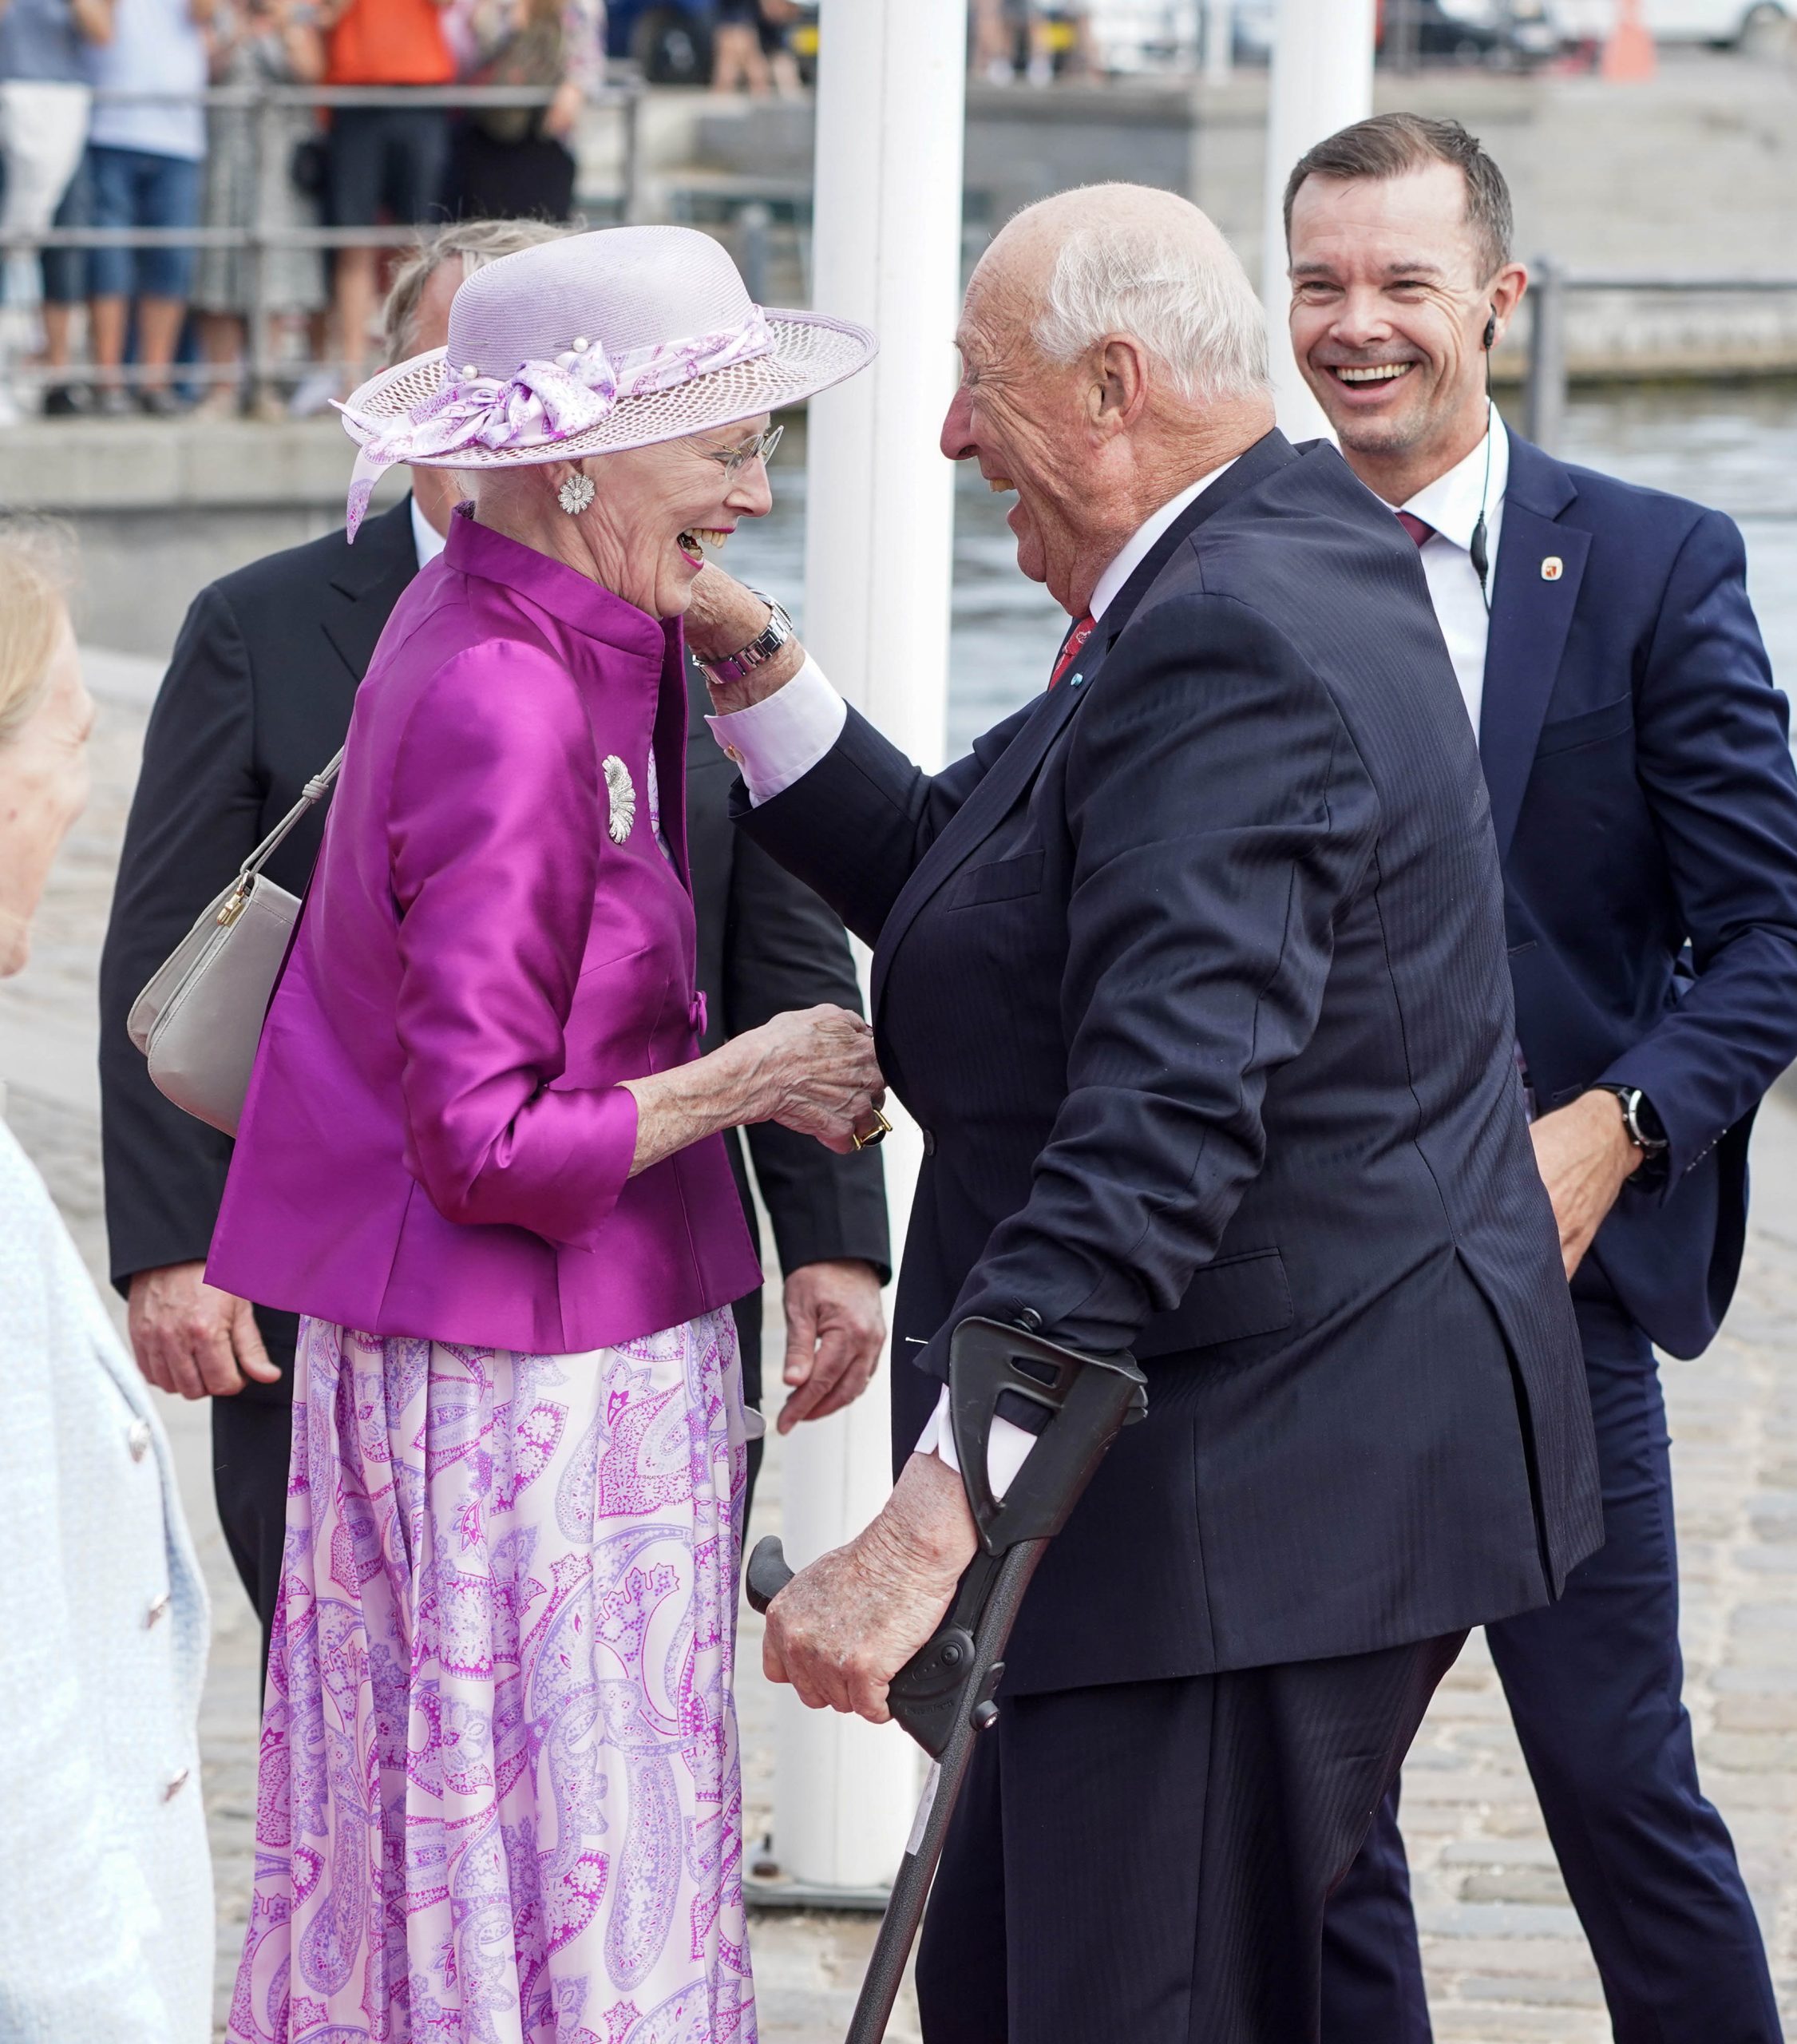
(1646, 808)
(1192, 972)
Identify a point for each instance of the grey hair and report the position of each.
(1190, 305)
(474, 243)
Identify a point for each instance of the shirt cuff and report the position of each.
(1006, 1447)
(779, 740)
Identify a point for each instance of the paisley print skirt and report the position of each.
(499, 1801)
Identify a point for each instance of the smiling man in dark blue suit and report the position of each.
(1645, 808)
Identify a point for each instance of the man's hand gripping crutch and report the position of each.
(943, 1694)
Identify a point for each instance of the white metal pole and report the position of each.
(878, 559)
(1322, 80)
(1219, 40)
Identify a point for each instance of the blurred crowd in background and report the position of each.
(87, 143)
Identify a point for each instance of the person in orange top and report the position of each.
(394, 157)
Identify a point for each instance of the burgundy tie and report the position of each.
(1417, 528)
(1070, 645)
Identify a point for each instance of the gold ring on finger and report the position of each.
(879, 1133)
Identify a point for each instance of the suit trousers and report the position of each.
(253, 1440)
(1150, 1861)
(1593, 1686)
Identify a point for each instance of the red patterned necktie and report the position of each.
(1070, 645)
(1419, 529)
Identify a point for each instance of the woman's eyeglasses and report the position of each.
(733, 460)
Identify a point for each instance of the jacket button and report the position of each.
(159, 1608)
(177, 1782)
(929, 1142)
(137, 1439)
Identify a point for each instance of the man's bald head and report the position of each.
(1111, 354)
(1131, 259)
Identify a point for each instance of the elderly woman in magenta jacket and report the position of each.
(480, 1155)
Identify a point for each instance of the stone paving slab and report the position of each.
(1505, 1961)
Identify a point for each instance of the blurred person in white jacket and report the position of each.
(105, 1884)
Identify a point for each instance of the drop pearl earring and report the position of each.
(576, 494)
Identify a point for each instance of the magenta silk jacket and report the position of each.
(435, 1142)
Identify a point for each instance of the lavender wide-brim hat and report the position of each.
(589, 345)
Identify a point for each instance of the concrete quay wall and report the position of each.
(163, 507)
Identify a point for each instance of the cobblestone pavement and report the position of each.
(1507, 1964)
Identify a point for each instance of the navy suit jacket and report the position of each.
(1646, 806)
(1194, 973)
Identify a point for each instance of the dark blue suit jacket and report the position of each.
(1194, 973)
(1645, 801)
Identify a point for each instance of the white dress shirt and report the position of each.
(1451, 504)
(426, 537)
(779, 740)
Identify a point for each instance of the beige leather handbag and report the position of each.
(198, 1020)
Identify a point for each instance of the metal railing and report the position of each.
(1551, 285)
(268, 136)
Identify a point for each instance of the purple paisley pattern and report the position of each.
(499, 1800)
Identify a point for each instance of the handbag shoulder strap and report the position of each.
(314, 791)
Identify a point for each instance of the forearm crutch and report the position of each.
(944, 1695)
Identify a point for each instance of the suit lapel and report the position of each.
(668, 740)
(1011, 774)
(976, 819)
(372, 578)
(1532, 606)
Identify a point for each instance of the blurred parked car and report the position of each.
(1504, 34)
(1748, 25)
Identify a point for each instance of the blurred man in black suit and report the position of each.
(256, 699)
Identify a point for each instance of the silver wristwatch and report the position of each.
(758, 651)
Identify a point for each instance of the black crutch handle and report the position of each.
(767, 1574)
(926, 1692)
(1079, 1401)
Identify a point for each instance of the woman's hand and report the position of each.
(814, 1071)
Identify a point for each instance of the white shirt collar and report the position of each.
(1452, 502)
(1137, 548)
(426, 537)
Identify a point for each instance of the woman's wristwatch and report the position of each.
(759, 650)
